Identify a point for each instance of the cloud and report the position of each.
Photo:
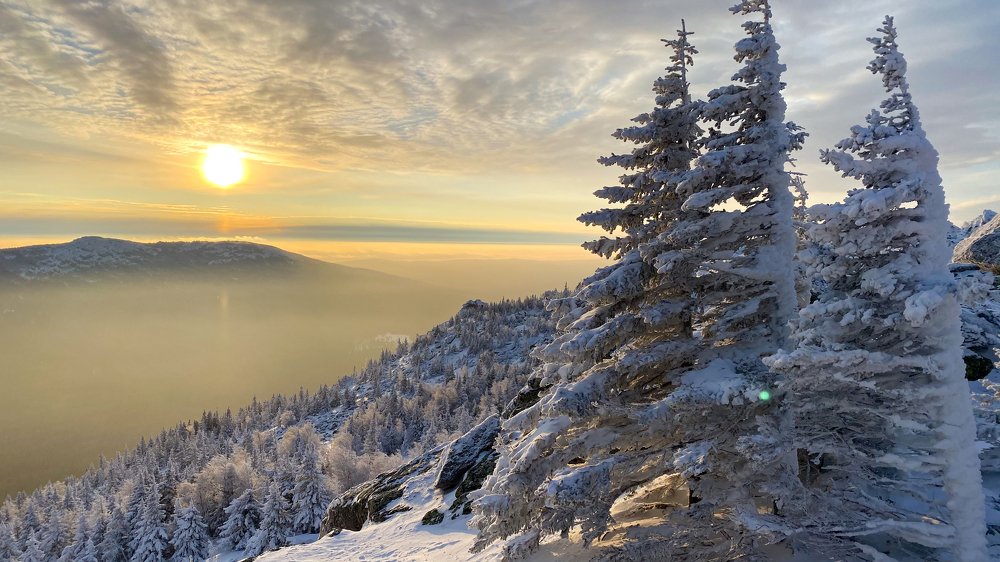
(31, 213)
(139, 55)
(459, 88)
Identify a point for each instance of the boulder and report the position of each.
(447, 465)
(464, 452)
(368, 501)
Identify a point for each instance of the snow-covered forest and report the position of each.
(251, 480)
(751, 378)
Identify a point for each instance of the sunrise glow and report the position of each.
(223, 165)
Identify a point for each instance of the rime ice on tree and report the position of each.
(242, 519)
(190, 539)
(658, 370)
(275, 523)
(876, 380)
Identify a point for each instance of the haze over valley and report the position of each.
(103, 341)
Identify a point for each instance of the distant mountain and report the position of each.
(959, 233)
(982, 244)
(93, 258)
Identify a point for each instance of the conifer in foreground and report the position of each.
(876, 379)
(658, 370)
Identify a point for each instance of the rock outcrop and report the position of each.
(982, 246)
(450, 465)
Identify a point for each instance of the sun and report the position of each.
(223, 165)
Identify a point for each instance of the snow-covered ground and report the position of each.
(405, 538)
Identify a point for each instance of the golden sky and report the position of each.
(434, 128)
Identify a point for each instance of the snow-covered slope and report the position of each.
(982, 245)
(434, 388)
(395, 516)
(421, 505)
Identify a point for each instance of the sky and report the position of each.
(381, 129)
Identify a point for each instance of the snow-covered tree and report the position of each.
(242, 519)
(54, 534)
(309, 496)
(876, 378)
(72, 551)
(8, 544)
(658, 370)
(114, 546)
(623, 309)
(275, 523)
(149, 536)
(88, 553)
(190, 538)
(32, 550)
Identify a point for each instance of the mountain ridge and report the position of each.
(92, 258)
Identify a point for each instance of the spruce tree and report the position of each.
(190, 538)
(8, 544)
(32, 550)
(876, 378)
(581, 447)
(275, 523)
(309, 496)
(242, 519)
(53, 534)
(114, 546)
(658, 371)
(149, 536)
(28, 523)
(72, 551)
(88, 553)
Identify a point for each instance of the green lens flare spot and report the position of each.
(764, 395)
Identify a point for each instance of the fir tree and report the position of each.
(190, 539)
(309, 497)
(275, 523)
(8, 544)
(618, 329)
(88, 553)
(73, 550)
(149, 536)
(54, 534)
(242, 519)
(876, 379)
(114, 546)
(32, 550)
(29, 522)
(658, 370)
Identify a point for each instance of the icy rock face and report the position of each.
(982, 246)
(463, 453)
(984, 217)
(370, 501)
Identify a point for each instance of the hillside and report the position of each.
(982, 243)
(105, 340)
(415, 513)
(400, 406)
(422, 422)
